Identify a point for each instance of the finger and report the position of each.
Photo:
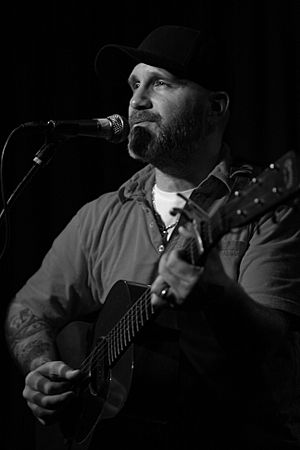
(178, 267)
(48, 402)
(156, 288)
(47, 380)
(162, 294)
(186, 232)
(48, 387)
(157, 301)
(181, 286)
(58, 370)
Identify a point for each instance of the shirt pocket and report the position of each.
(232, 248)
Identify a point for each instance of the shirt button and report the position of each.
(151, 224)
(161, 248)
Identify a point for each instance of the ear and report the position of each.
(219, 103)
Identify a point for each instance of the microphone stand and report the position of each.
(41, 159)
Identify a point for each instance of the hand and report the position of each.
(180, 277)
(48, 388)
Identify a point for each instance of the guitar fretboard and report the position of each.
(122, 334)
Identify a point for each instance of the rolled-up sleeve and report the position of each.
(270, 268)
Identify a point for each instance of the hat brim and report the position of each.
(115, 62)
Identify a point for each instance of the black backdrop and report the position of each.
(47, 53)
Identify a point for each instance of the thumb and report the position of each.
(71, 374)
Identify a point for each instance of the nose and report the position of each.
(140, 99)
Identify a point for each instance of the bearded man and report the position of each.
(209, 347)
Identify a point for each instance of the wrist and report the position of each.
(37, 362)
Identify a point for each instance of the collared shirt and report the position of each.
(95, 248)
(116, 237)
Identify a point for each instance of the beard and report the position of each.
(175, 144)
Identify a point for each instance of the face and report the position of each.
(167, 117)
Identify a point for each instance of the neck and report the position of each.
(196, 170)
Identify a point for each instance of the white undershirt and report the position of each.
(164, 202)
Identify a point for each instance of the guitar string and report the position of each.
(98, 353)
(122, 326)
(100, 350)
(120, 329)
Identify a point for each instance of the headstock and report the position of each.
(276, 185)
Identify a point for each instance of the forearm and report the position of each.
(241, 324)
(30, 339)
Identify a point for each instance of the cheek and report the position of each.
(168, 111)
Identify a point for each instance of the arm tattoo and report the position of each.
(29, 337)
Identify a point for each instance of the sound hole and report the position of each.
(99, 369)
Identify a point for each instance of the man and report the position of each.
(216, 367)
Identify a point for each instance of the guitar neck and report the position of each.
(122, 334)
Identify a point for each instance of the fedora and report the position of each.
(186, 52)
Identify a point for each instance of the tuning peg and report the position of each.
(258, 201)
(240, 212)
(256, 180)
(276, 190)
(274, 166)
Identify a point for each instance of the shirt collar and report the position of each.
(141, 183)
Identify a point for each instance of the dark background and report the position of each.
(47, 72)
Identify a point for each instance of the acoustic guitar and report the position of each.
(108, 367)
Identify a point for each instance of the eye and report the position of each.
(134, 85)
(160, 83)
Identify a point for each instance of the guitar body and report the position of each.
(104, 395)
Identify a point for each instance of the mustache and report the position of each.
(143, 116)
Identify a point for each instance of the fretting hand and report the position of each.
(177, 278)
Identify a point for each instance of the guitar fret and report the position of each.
(141, 318)
(146, 312)
(121, 342)
(117, 347)
(113, 346)
(109, 352)
(132, 328)
(128, 331)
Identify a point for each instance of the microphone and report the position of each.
(114, 128)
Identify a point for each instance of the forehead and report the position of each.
(142, 69)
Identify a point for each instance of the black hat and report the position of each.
(186, 52)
